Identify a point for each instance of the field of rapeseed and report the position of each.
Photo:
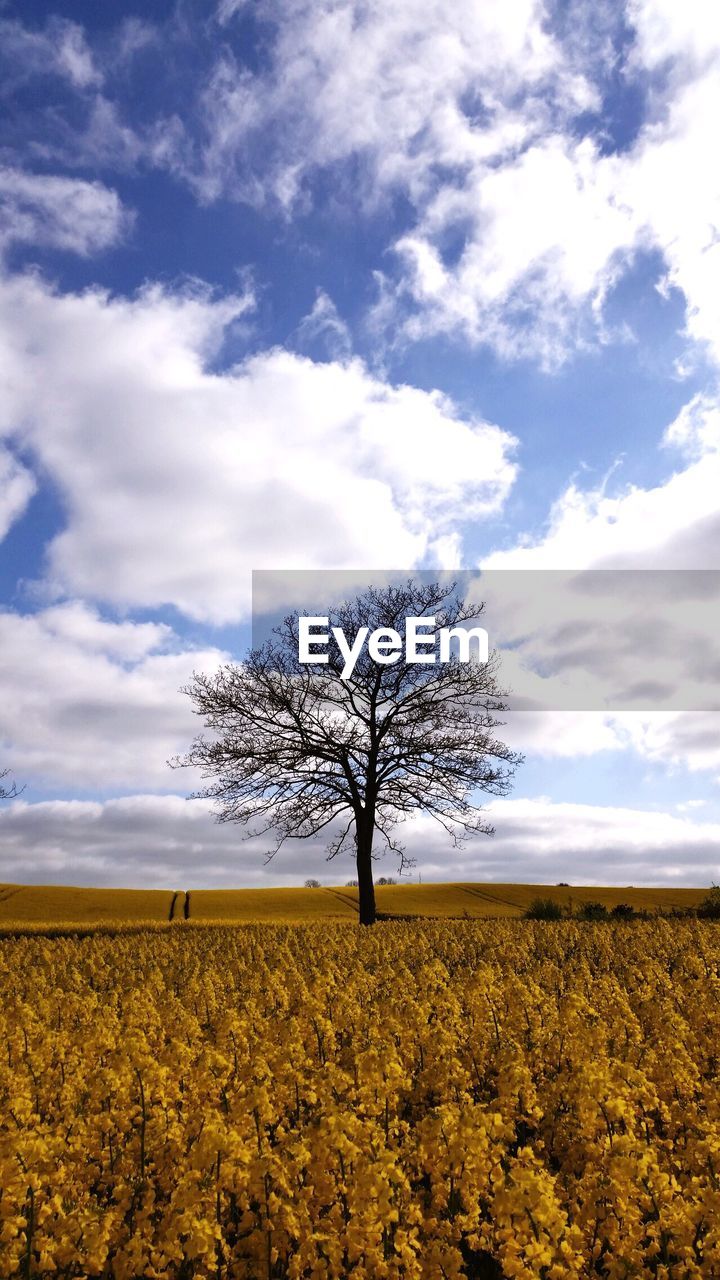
(424, 1099)
(45, 905)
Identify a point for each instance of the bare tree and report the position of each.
(298, 750)
(7, 793)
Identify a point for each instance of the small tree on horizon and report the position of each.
(298, 751)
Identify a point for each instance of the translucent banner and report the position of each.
(593, 640)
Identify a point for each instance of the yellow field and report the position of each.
(273, 904)
(34, 904)
(38, 904)
(424, 1100)
(478, 900)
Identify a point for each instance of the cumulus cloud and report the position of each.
(177, 474)
(535, 285)
(59, 213)
(178, 480)
(474, 117)
(477, 118)
(591, 844)
(522, 284)
(672, 525)
(148, 840)
(94, 704)
(469, 115)
(167, 842)
(402, 90)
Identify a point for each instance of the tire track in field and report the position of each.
(9, 893)
(490, 897)
(186, 906)
(346, 899)
(171, 915)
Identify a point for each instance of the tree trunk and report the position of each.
(366, 888)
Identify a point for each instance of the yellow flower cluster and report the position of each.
(420, 1100)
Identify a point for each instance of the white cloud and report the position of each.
(60, 49)
(596, 844)
(476, 115)
(675, 193)
(93, 704)
(107, 141)
(560, 734)
(532, 285)
(79, 625)
(696, 429)
(140, 840)
(227, 9)
(60, 213)
(133, 35)
(591, 212)
(178, 480)
(671, 32)
(74, 58)
(17, 487)
(466, 112)
(521, 282)
(473, 114)
(673, 525)
(324, 323)
(688, 740)
(398, 87)
(168, 842)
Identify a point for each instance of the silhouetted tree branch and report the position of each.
(8, 793)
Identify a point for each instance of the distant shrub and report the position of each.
(562, 884)
(623, 911)
(592, 911)
(386, 880)
(709, 908)
(312, 884)
(351, 884)
(544, 909)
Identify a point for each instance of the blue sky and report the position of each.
(344, 285)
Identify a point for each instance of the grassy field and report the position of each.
(38, 904)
